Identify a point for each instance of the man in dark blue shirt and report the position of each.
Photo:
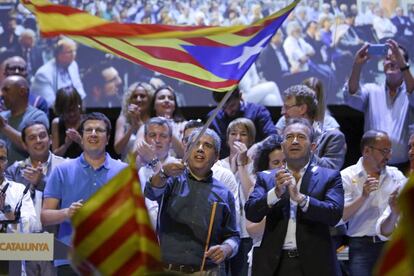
(234, 108)
(185, 196)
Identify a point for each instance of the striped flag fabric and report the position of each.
(112, 231)
(211, 57)
(398, 256)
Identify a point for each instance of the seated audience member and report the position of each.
(135, 112)
(330, 148)
(176, 188)
(234, 108)
(66, 140)
(104, 86)
(12, 195)
(387, 106)
(17, 66)
(383, 26)
(66, 191)
(269, 156)
(259, 91)
(34, 172)
(368, 186)
(16, 99)
(61, 71)
(405, 29)
(29, 51)
(273, 63)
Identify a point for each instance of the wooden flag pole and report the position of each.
(210, 227)
(207, 124)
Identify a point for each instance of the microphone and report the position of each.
(17, 210)
(3, 191)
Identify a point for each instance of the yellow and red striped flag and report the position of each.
(112, 231)
(398, 256)
(214, 58)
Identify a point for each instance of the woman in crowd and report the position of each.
(241, 134)
(136, 110)
(269, 156)
(66, 140)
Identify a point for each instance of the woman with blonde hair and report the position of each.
(136, 110)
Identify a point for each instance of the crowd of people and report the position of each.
(283, 200)
(315, 40)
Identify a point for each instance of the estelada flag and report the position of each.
(112, 231)
(398, 256)
(212, 57)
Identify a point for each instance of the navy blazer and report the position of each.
(316, 252)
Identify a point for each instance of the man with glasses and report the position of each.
(299, 202)
(75, 181)
(300, 102)
(16, 65)
(368, 186)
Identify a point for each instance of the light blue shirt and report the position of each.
(75, 180)
(384, 113)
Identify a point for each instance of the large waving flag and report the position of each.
(398, 257)
(214, 58)
(113, 233)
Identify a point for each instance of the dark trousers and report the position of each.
(65, 270)
(363, 255)
(238, 264)
(289, 266)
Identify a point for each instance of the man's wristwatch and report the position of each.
(6, 209)
(153, 163)
(405, 68)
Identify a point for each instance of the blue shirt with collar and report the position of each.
(255, 112)
(74, 180)
(184, 217)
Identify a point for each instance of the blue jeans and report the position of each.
(363, 255)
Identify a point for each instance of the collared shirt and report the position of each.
(63, 78)
(14, 194)
(255, 112)
(186, 205)
(15, 173)
(362, 223)
(384, 113)
(272, 199)
(74, 180)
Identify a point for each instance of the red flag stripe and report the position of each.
(171, 73)
(395, 254)
(204, 41)
(137, 260)
(129, 228)
(105, 210)
(66, 10)
(171, 54)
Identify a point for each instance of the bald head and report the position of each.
(15, 91)
(15, 66)
(17, 81)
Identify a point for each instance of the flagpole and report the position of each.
(210, 227)
(207, 124)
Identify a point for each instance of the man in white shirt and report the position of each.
(13, 196)
(368, 186)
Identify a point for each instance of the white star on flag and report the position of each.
(247, 53)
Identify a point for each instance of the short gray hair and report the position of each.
(208, 132)
(160, 121)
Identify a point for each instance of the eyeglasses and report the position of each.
(97, 130)
(384, 152)
(287, 107)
